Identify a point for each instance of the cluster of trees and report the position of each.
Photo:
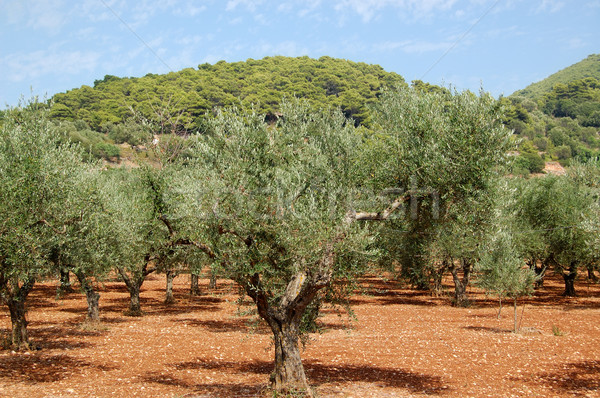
(557, 118)
(293, 208)
(194, 93)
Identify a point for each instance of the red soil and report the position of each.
(404, 343)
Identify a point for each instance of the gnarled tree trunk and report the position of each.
(438, 277)
(289, 375)
(92, 296)
(194, 286)
(134, 285)
(15, 295)
(284, 320)
(169, 299)
(461, 284)
(591, 274)
(569, 278)
(65, 282)
(212, 283)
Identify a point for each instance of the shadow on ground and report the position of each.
(28, 367)
(575, 379)
(321, 373)
(206, 389)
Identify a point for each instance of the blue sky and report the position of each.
(50, 46)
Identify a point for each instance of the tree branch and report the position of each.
(188, 242)
(379, 216)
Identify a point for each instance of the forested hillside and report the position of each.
(589, 67)
(194, 92)
(559, 117)
(556, 119)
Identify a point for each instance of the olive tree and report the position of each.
(93, 244)
(443, 152)
(501, 267)
(561, 209)
(273, 201)
(39, 174)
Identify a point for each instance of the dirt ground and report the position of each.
(404, 343)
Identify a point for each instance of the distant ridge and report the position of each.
(193, 92)
(589, 67)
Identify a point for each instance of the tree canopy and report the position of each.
(324, 82)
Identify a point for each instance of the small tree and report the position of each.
(503, 272)
(561, 209)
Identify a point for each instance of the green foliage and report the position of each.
(563, 110)
(589, 67)
(530, 162)
(274, 198)
(556, 331)
(557, 211)
(502, 269)
(39, 204)
(444, 150)
(94, 143)
(130, 132)
(326, 82)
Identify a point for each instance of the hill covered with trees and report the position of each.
(559, 117)
(556, 119)
(589, 67)
(191, 93)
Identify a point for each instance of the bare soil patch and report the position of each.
(404, 343)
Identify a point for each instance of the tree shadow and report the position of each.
(38, 368)
(233, 325)
(178, 308)
(575, 379)
(321, 373)
(62, 338)
(206, 389)
(396, 378)
(395, 297)
(487, 329)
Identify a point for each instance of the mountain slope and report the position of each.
(589, 67)
(191, 93)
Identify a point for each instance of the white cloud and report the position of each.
(286, 48)
(412, 46)
(49, 15)
(368, 9)
(550, 6)
(251, 5)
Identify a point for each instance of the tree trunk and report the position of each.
(212, 283)
(20, 338)
(134, 286)
(540, 272)
(591, 275)
(15, 297)
(569, 278)
(284, 320)
(289, 376)
(194, 287)
(438, 278)
(516, 315)
(500, 308)
(285, 317)
(169, 299)
(92, 296)
(65, 283)
(135, 309)
(460, 284)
